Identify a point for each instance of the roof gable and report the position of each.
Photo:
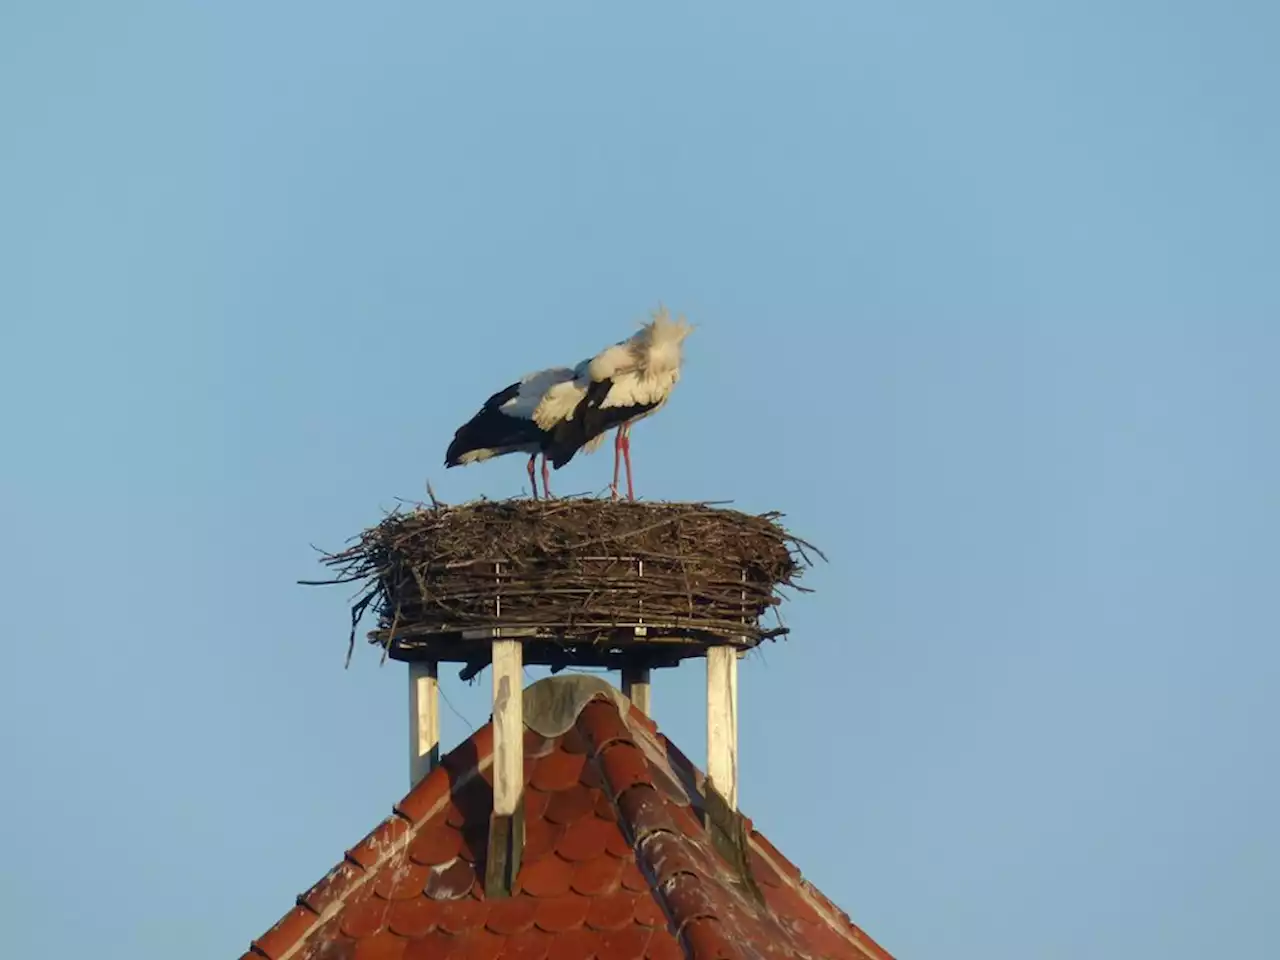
(621, 861)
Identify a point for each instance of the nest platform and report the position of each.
(581, 582)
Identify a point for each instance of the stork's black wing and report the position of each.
(491, 429)
(589, 420)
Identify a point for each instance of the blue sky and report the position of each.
(988, 304)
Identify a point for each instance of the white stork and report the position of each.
(505, 425)
(622, 384)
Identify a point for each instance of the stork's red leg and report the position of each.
(626, 453)
(546, 479)
(533, 480)
(617, 463)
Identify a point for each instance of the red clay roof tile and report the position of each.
(461, 916)
(481, 945)
(762, 871)
(404, 882)
(612, 911)
(562, 913)
(424, 799)
(511, 915)
(547, 877)
(689, 897)
(435, 843)
(292, 926)
(686, 820)
(781, 863)
(708, 940)
(414, 918)
(558, 771)
(586, 838)
(475, 840)
(334, 887)
(627, 943)
(604, 808)
(616, 862)
(591, 777)
(450, 881)
(644, 811)
(648, 913)
(638, 716)
(580, 944)
(540, 837)
(663, 946)
(536, 745)
(598, 876)
(671, 856)
(787, 901)
(616, 843)
(574, 742)
(363, 918)
(571, 804)
(328, 946)
(432, 946)
(602, 725)
(535, 804)
(632, 878)
(381, 946)
(625, 765)
(531, 945)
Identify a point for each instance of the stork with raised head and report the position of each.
(505, 424)
(623, 383)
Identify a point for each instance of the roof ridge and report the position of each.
(645, 815)
(643, 812)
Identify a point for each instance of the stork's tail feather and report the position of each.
(567, 438)
(560, 456)
(463, 443)
(490, 434)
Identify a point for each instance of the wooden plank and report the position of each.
(413, 641)
(424, 720)
(508, 726)
(494, 633)
(610, 653)
(636, 686)
(506, 848)
(722, 722)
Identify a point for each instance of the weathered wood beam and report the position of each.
(424, 720)
(508, 726)
(506, 826)
(722, 722)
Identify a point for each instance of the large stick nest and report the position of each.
(582, 573)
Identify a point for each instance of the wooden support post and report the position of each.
(722, 722)
(508, 726)
(506, 827)
(635, 684)
(424, 719)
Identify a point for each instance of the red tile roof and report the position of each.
(617, 865)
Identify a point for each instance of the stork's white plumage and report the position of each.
(623, 383)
